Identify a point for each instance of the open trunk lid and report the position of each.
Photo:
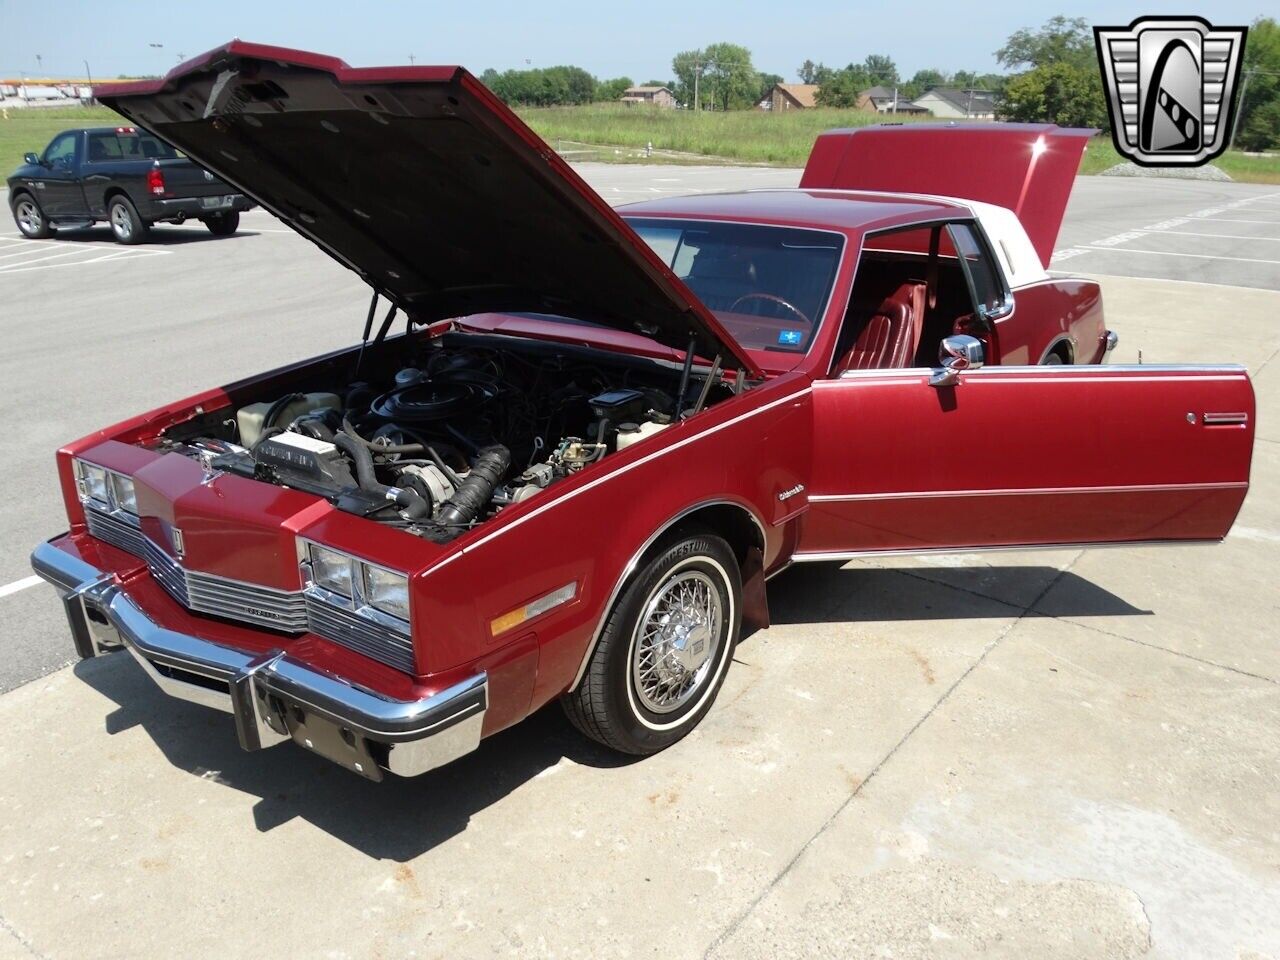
(424, 183)
(1027, 167)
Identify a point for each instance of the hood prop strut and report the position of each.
(368, 328)
(684, 376)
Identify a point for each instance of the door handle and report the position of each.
(1224, 419)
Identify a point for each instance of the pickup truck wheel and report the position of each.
(224, 224)
(126, 225)
(664, 650)
(30, 218)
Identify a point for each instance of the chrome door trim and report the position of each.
(833, 555)
(1026, 491)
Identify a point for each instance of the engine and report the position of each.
(447, 440)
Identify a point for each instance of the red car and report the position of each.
(600, 432)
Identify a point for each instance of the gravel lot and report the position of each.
(1051, 754)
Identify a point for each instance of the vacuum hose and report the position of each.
(415, 507)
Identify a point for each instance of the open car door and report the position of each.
(1021, 456)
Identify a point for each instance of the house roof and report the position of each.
(805, 94)
(979, 101)
(880, 93)
(630, 91)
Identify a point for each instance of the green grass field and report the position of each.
(747, 136)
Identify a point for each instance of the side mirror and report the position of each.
(955, 354)
(32, 159)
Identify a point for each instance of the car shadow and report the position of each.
(164, 235)
(400, 819)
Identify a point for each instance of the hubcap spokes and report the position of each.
(676, 641)
(120, 221)
(28, 217)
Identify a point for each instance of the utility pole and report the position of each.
(1235, 123)
(411, 59)
(89, 73)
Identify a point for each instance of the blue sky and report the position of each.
(636, 38)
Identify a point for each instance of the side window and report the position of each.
(983, 274)
(103, 147)
(62, 151)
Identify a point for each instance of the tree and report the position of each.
(613, 89)
(880, 70)
(1060, 93)
(542, 87)
(720, 75)
(922, 81)
(1259, 127)
(765, 83)
(811, 72)
(1060, 40)
(843, 87)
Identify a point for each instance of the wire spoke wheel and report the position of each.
(676, 641)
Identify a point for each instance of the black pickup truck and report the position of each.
(122, 175)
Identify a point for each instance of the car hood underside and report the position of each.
(425, 184)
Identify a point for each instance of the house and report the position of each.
(654, 96)
(888, 100)
(949, 103)
(792, 96)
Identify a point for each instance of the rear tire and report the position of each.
(126, 225)
(665, 648)
(30, 219)
(224, 224)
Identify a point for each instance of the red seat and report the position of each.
(891, 334)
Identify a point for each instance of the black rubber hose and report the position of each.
(413, 505)
(277, 408)
(476, 490)
(350, 431)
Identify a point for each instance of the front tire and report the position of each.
(30, 219)
(665, 648)
(223, 225)
(126, 225)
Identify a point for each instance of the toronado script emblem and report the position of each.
(793, 491)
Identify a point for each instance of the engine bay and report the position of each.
(445, 437)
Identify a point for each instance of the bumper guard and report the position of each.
(273, 696)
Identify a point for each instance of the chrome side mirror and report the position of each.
(956, 354)
(32, 159)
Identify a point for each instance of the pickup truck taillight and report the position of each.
(155, 182)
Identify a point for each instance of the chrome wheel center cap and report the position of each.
(690, 646)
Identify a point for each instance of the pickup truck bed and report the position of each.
(122, 175)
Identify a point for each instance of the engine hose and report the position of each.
(476, 490)
(350, 431)
(413, 504)
(277, 408)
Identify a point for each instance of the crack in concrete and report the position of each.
(737, 922)
(26, 944)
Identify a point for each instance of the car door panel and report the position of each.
(1016, 456)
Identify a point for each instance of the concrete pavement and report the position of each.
(1053, 754)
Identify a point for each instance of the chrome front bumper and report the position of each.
(273, 697)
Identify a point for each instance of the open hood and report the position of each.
(1028, 168)
(424, 183)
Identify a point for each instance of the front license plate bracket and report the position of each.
(331, 741)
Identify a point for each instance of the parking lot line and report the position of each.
(43, 256)
(113, 256)
(1216, 236)
(17, 585)
(1162, 253)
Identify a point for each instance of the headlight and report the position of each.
(105, 488)
(122, 494)
(92, 482)
(365, 589)
(331, 569)
(387, 591)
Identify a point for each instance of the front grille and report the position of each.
(360, 634)
(115, 529)
(232, 599)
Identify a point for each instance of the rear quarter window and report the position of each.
(116, 145)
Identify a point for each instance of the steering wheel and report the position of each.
(772, 299)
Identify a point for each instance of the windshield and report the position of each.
(767, 285)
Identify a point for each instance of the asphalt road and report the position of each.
(1057, 754)
(95, 332)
